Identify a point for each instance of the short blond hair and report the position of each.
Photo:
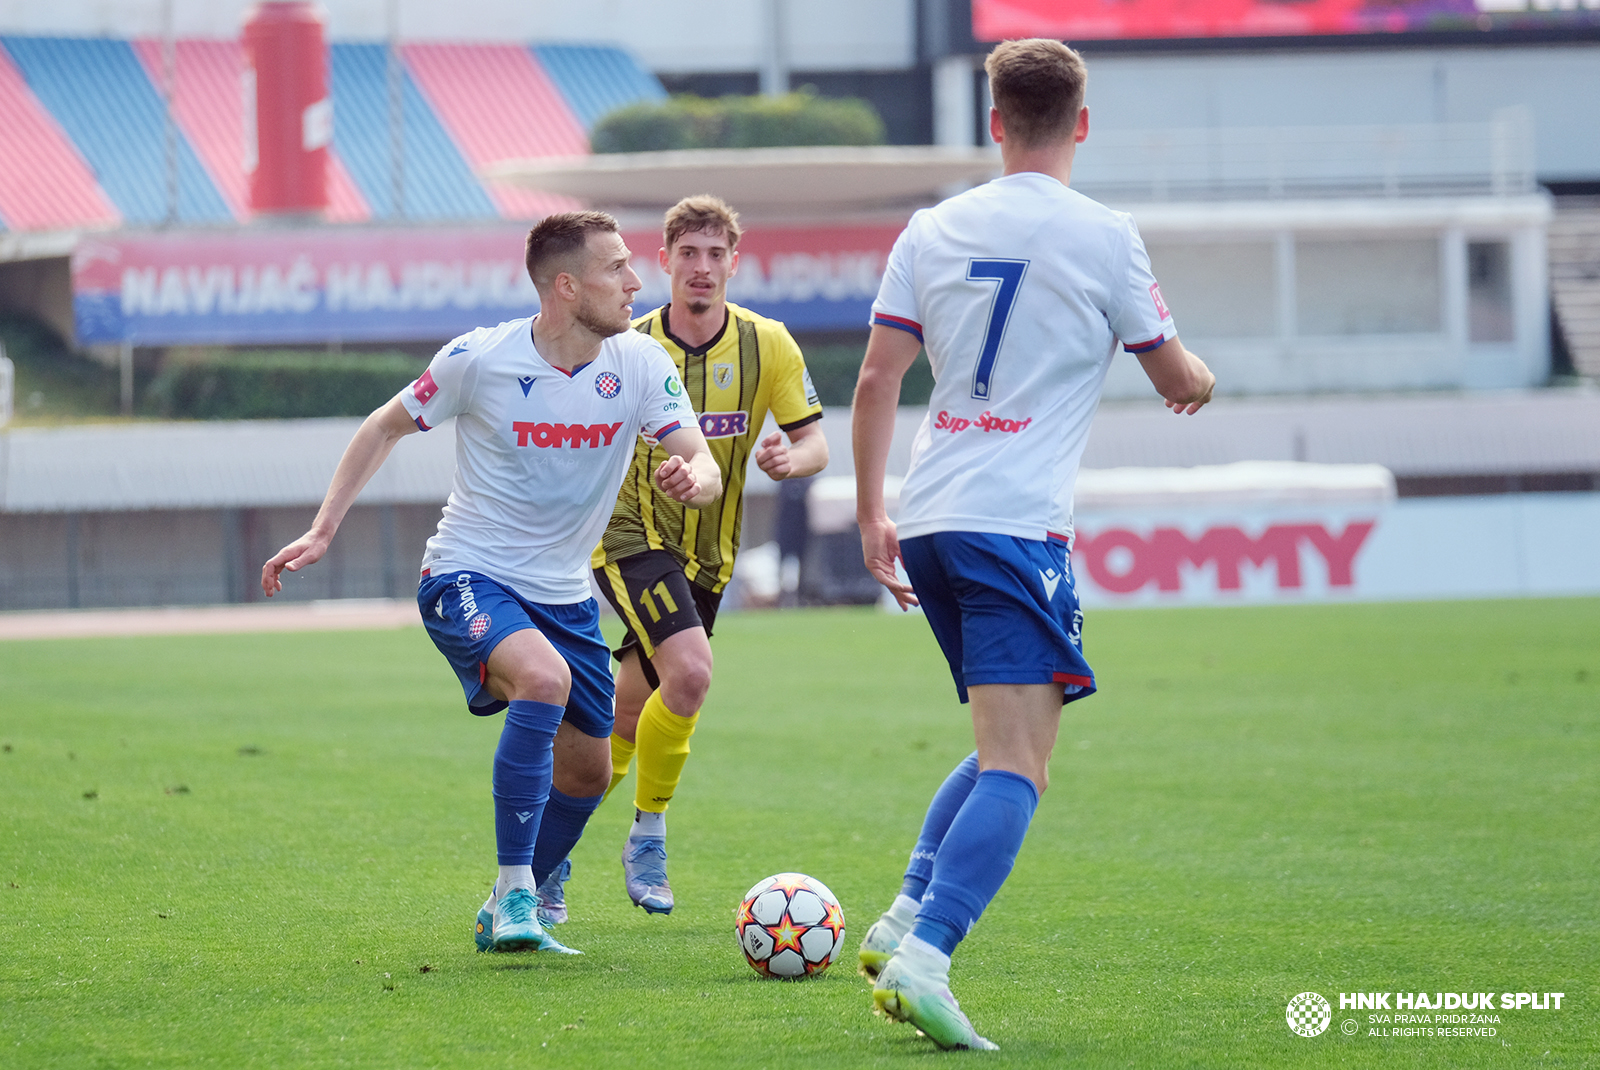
(1037, 86)
(701, 213)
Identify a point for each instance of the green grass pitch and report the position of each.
(267, 851)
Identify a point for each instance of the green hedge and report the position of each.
(834, 369)
(734, 122)
(274, 385)
(53, 381)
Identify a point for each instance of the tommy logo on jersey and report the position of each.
(547, 435)
(608, 385)
(723, 424)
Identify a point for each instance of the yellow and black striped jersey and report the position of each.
(751, 367)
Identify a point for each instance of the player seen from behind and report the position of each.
(1021, 290)
(546, 413)
(664, 564)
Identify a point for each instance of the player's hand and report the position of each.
(1190, 406)
(880, 549)
(677, 480)
(773, 456)
(306, 550)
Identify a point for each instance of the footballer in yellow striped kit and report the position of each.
(662, 566)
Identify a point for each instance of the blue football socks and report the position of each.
(946, 804)
(976, 856)
(564, 818)
(522, 766)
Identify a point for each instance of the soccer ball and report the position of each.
(789, 926)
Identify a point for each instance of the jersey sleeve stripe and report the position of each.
(813, 418)
(1144, 347)
(667, 430)
(421, 426)
(898, 322)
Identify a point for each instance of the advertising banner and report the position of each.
(360, 285)
(1513, 545)
(1100, 20)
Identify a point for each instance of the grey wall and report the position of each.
(1559, 84)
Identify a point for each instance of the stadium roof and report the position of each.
(819, 179)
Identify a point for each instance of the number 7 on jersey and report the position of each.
(1008, 273)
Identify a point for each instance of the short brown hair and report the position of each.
(555, 238)
(701, 213)
(1037, 86)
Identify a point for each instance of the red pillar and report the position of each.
(288, 114)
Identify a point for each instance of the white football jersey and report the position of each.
(540, 454)
(1020, 289)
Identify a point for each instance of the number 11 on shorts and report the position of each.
(1008, 273)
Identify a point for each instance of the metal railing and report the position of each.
(1495, 158)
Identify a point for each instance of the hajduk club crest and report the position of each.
(607, 385)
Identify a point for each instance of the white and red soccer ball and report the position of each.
(790, 926)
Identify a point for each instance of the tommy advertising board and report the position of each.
(1420, 548)
(356, 284)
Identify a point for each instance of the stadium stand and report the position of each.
(55, 188)
(596, 79)
(1575, 279)
(83, 141)
(438, 183)
(498, 104)
(99, 93)
(208, 107)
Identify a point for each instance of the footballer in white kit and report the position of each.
(1022, 291)
(546, 410)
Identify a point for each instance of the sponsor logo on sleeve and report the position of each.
(1161, 306)
(424, 388)
(673, 387)
(811, 391)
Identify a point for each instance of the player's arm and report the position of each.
(362, 458)
(1181, 378)
(805, 455)
(690, 474)
(890, 352)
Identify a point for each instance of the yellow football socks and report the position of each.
(663, 742)
(621, 758)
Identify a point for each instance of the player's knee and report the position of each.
(684, 690)
(541, 682)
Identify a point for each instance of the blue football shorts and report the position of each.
(1004, 609)
(467, 614)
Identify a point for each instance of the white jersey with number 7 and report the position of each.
(1020, 289)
